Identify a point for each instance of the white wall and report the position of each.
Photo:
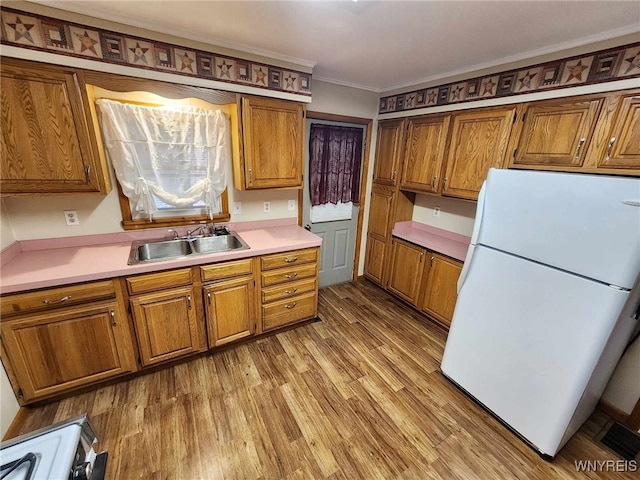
(455, 215)
(623, 389)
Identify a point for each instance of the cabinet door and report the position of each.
(424, 153)
(45, 145)
(623, 146)
(440, 289)
(478, 142)
(374, 259)
(388, 149)
(54, 352)
(273, 139)
(380, 211)
(557, 133)
(406, 270)
(230, 307)
(166, 324)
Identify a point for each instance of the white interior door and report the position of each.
(337, 253)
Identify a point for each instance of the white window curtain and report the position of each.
(175, 153)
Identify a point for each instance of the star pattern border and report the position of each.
(192, 67)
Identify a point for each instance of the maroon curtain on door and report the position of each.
(335, 155)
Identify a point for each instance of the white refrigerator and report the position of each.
(547, 299)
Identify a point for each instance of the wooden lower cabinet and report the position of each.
(167, 325)
(289, 288)
(406, 270)
(67, 348)
(440, 290)
(230, 310)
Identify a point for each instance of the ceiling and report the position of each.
(380, 45)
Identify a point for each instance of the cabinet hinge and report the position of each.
(254, 283)
(524, 116)
(515, 117)
(515, 152)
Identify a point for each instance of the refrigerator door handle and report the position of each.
(474, 236)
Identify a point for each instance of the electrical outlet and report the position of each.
(71, 217)
(436, 212)
(237, 208)
(292, 205)
(267, 206)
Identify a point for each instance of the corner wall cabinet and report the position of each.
(272, 149)
(588, 134)
(61, 339)
(46, 145)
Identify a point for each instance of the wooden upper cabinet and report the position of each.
(389, 147)
(406, 270)
(424, 153)
(479, 141)
(558, 132)
(167, 325)
(441, 288)
(66, 348)
(46, 144)
(621, 149)
(273, 144)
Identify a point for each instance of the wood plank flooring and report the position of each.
(356, 396)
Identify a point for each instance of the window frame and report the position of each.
(122, 84)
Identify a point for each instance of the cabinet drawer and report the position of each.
(287, 290)
(159, 281)
(288, 274)
(56, 297)
(288, 311)
(227, 269)
(278, 260)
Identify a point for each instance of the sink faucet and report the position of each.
(175, 233)
(199, 229)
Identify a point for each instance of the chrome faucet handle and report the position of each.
(195, 230)
(175, 233)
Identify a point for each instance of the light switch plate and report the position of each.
(292, 205)
(71, 217)
(237, 208)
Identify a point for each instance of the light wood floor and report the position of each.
(356, 396)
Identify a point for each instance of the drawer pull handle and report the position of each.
(433, 181)
(209, 297)
(113, 319)
(287, 306)
(291, 259)
(53, 302)
(288, 275)
(189, 302)
(607, 156)
(580, 143)
(290, 292)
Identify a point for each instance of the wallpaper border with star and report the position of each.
(596, 67)
(37, 32)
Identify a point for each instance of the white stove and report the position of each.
(60, 452)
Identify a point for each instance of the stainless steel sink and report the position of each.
(221, 243)
(155, 251)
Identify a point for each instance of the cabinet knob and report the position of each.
(433, 181)
(53, 302)
(250, 175)
(288, 306)
(607, 155)
(393, 176)
(580, 143)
